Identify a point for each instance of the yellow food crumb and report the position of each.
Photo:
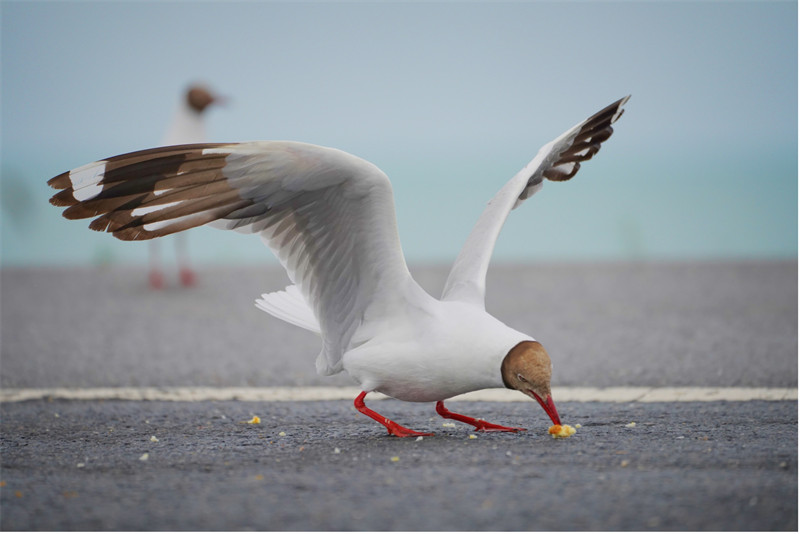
(154, 439)
(449, 425)
(256, 420)
(630, 425)
(144, 457)
(473, 436)
(281, 434)
(395, 458)
(578, 425)
(561, 431)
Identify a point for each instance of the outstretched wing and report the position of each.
(558, 161)
(327, 215)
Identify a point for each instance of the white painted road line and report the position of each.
(278, 394)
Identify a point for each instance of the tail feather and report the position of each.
(290, 306)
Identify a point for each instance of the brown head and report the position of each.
(527, 368)
(199, 98)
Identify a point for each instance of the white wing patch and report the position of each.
(86, 180)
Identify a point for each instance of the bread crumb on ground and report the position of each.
(561, 431)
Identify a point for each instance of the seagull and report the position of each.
(188, 125)
(329, 218)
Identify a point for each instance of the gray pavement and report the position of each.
(613, 324)
(69, 465)
(685, 466)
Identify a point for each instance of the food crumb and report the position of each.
(154, 439)
(578, 425)
(561, 431)
(256, 420)
(419, 438)
(144, 457)
(449, 425)
(80, 464)
(281, 433)
(259, 477)
(624, 463)
(337, 450)
(630, 425)
(473, 436)
(395, 458)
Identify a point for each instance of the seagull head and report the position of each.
(527, 368)
(200, 97)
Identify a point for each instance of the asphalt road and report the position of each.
(604, 325)
(322, 466)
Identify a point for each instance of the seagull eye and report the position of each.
(522, 378)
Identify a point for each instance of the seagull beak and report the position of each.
(549, 407)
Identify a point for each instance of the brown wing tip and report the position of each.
(619, 103)
(134, 234)
(63, 198)
(61, 181)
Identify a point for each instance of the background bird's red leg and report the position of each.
(393, 428)
(479, 424)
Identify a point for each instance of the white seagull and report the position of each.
(329, 218)
(188, 125)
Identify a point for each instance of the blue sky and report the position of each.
(450, 99)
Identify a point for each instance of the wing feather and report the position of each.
(557, 161)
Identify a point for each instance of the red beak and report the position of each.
(549, 407)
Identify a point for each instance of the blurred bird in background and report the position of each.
(188, 126)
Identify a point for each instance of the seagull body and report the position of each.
(432, 350)
(329, 218)
(188, 123)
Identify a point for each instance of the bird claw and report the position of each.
(393, 428)
(403, 432)
(479, 424)
(483, 426)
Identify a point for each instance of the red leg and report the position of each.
(393, 428)
(188, 277)
(155, 277)
(479, 424)
(186, 273)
